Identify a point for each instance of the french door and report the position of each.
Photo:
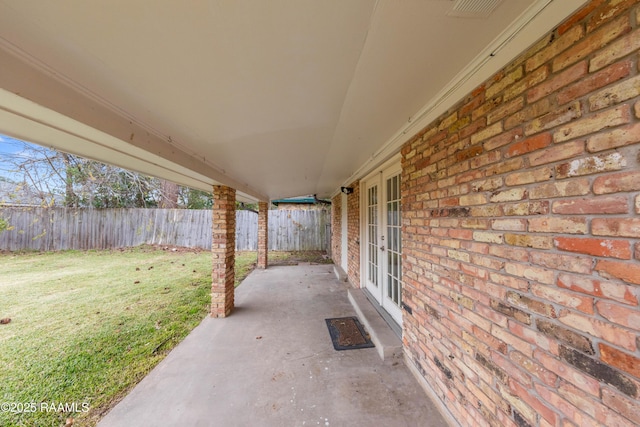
(383, 244)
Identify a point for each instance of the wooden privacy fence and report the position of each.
(51, 229)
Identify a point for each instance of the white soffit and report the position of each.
(539, 19)
(474, 8)
(30, 122)
(251, 89)
(277, 98)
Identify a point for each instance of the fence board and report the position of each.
(49, 229)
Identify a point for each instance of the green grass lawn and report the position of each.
(87, 326)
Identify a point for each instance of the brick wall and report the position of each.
(336, 229)
(353, 235)
(521, 213)
(263, 234)
(223, 250)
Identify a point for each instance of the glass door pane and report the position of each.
(394, 244)
(372, 235)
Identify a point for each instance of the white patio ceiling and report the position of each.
(276, 98)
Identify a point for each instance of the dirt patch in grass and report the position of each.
(297, 257)
(169, 248)
(246, 261)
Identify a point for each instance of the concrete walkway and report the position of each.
(271, 363)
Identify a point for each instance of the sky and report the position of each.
(8, 146)
(9, 149)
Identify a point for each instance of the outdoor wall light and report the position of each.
(346, 190)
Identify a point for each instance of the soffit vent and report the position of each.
(474, 8)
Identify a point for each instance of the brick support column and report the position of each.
(223, 250)
(263, 234)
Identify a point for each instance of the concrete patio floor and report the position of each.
(271, 363)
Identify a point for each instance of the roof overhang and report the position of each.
(274, 99)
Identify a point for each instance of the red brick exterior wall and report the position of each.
(521, 234)
(353, 235)
(336, 229)
(223, 250)
(263, 234)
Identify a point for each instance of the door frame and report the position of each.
(344, 231)
(387, 169)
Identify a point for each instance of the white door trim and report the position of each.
(344, 226)
(383, 262)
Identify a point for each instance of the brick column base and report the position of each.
(263, 234)
(223, 250)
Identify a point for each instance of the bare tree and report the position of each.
(51, 177)
(41, 172)
(54, 177)
(169, 192)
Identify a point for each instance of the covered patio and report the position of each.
(272, 364)
(481, 158)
